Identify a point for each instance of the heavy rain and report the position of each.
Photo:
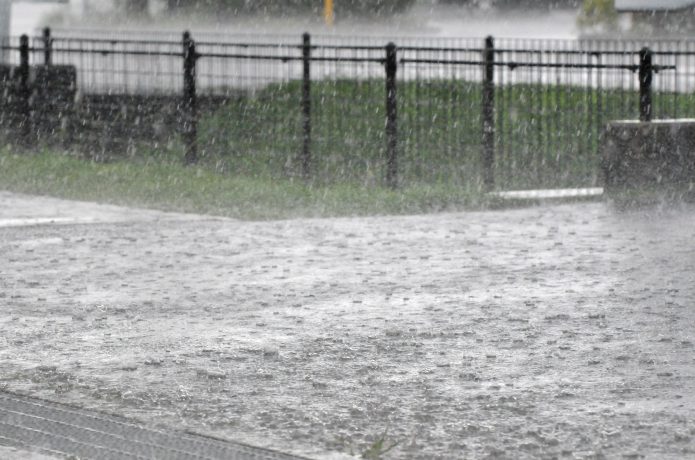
(333, 229)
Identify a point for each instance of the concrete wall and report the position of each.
(100, 126)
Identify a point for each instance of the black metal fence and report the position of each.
(505, 114)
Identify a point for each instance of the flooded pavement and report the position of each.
(551, 332)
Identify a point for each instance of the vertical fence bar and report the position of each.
(391, 117)
(589, 138)
(306, 107)
(24, 107)
(646, 71)
(190, 103)
(47, 47)
(488, 113)
(600, 116)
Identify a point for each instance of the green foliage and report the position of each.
(597, 12)
(262, 132)
(154, 182)
(379, 448)
(546, 136)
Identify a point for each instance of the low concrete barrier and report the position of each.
(649, 157)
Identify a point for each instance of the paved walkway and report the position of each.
(35, 424)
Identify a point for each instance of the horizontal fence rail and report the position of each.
(492, 114)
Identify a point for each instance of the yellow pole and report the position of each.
(328, 12)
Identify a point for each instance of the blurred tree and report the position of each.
(597, 13)
(136, 7)
(371, 6)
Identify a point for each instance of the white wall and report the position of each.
(653, 5)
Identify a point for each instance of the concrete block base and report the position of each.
(649, 158)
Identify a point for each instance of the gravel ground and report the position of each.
(550, 332)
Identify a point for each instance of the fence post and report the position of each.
(47, 47)
(391, 117)
(24, 91)
(646, 71)
(488, 115)
(190, 103)
(306, 107)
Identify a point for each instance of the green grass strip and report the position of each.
(170, 186)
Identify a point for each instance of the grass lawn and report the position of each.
(546, 136)
(168, 185)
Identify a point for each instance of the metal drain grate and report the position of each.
(67, 431)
